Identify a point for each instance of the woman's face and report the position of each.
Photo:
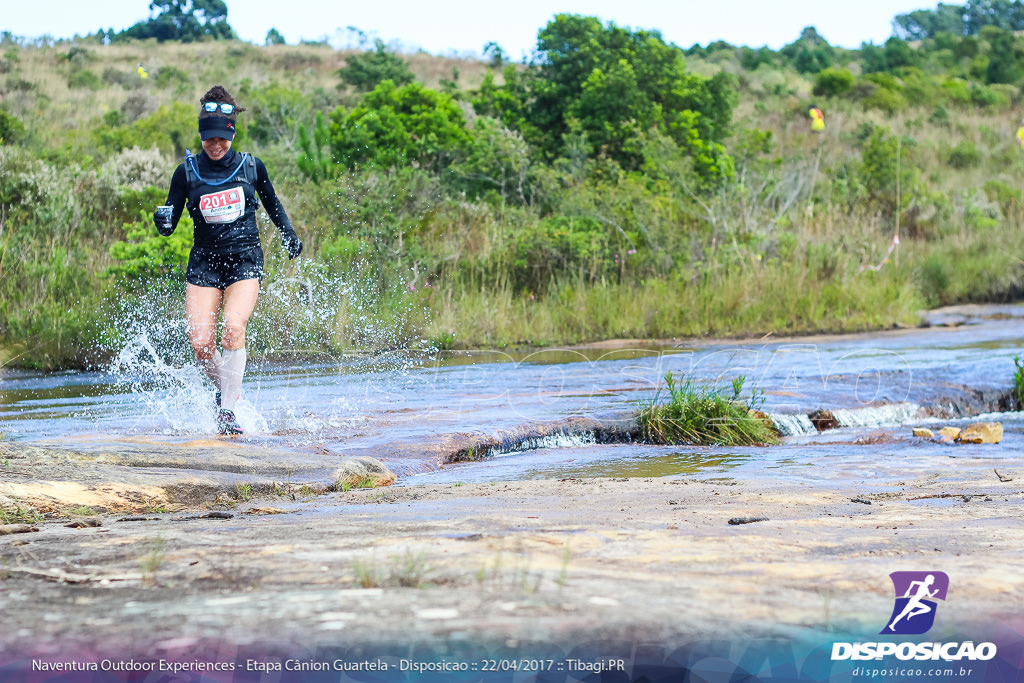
(216, 148)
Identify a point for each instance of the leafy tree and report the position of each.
(810, 53)
(187, 21)
(965, 20)
(899, 54)
(1004, 14)
(274, 37)
(750, 59)
(498, 160)
(396, 126)
(883, 167)
(600, 85)
(494, 55)
(921, 24)
(506, 103)
(367, 70)
(1003, 65)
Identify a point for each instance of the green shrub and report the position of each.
(119, 77)
(365, 71)
(703, 416)
(1005, 195)
(172, 76)
(957, 91)
(11, 129)
(934, 279)
(148, 256)
(833, 82)
(884, 99)
(275, 114)
(964, 155)
(939, 117)
(171, 129)
(989, 97)
(84, 78)
(315, 159)
(17, 84)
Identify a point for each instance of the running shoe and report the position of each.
(226, 422)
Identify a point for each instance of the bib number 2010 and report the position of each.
(222, 207)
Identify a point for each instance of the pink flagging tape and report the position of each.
(895, 243)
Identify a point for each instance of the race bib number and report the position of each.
(224, 206)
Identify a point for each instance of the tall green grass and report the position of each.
(703, 415)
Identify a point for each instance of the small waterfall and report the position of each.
(877, 416)
(792, 424)
(797, 424)
(557, 440)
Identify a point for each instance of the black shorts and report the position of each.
(211, 269)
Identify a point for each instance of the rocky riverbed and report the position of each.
(542, 567)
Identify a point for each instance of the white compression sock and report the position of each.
(232, 367)
(212, 369)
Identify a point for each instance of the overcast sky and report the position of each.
(444, 27)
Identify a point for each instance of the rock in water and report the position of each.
(824, 419)
(982, 432)
(923, 432)
(951, 432)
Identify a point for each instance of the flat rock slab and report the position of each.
(649, 560)
(136, 476)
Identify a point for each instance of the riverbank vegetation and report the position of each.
(613, 186)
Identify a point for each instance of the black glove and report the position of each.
(162, 220)
(294, 245)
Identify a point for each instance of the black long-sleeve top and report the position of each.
(224, 214)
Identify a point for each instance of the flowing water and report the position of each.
(958, 369)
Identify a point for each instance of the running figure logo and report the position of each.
(916, 592)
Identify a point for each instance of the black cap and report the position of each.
(216, 127)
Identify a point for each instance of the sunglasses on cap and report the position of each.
(224, 107)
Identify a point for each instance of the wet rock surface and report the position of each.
(561, 562)
(211, 547)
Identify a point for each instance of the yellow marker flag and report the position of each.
(817, 120)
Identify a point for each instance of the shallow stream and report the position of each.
(957, 369)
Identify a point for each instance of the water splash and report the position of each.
(162, 396)
(311, 333)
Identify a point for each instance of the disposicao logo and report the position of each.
(916, 593)
(913, 614)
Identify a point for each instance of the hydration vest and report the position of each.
(247, 166)
(222, 206)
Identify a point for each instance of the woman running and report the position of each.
(225, 266)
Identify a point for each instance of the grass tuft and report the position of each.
(20, 515)
(703, 415)
(243, 491)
